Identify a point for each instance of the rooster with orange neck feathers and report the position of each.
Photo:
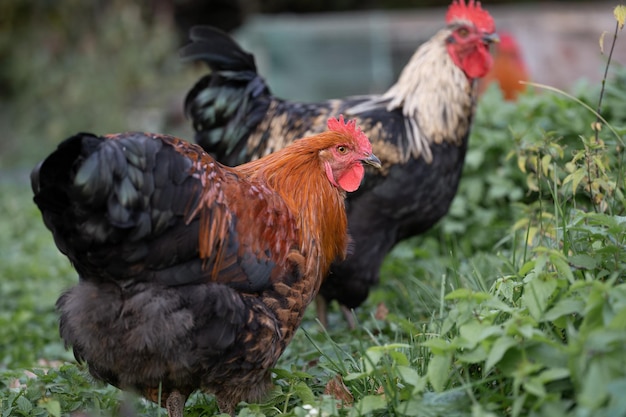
(509, 68)
(419, 128)
(194, 275)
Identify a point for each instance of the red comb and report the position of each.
(471, 11)
(507, 42)
(350, 129)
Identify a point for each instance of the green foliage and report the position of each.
(76, 66)
(45, 393)
(547, 337)
(491, 183)
(32, 273)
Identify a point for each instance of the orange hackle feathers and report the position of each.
(473, 12)
(306, 180)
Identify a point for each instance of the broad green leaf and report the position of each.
(476, 355)
(52, 406)
(498, 349)
(583, 261)
(305, 393)
(575, 177)
(498, 305)
(527, 267)
(537, 293)
(594, 384)
(301, 374)
(554, 374)
(439, 371)
(564, 307)
(617, 405)
(605, 340)
(411, 377)
(438, 346)
(282, 373)
(518, 404)
(447, 325)
(464, 293)
(491, 331)
(526, 330)
(371, 359)
(398, 357)
(411, 408)
(562, 266)
(471, 334)
(355, 375)
(459, 293)
(506, 288)
(23, 405)
(535, 386)
(368, 404)
(618, 322)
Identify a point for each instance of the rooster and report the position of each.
(194, 275)
(419, 128)
(509, 68)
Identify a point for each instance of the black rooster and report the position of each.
(419, 128)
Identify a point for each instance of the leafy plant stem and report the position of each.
(606, 72)
(602, 89)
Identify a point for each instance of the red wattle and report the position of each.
(352, 178)
(477, 63)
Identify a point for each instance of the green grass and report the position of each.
(515, 304)
(33, 274)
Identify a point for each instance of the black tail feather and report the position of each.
(228, 103)
(217, 49)
(51, 178)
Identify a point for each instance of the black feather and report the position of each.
(217, 49)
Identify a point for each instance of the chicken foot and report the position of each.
(175, 404)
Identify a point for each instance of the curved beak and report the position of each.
(372, 160)
(491, 38)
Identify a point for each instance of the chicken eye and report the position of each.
(342, 149)
(463, 32)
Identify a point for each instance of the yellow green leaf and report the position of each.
(575, 177)
(533, 162)
(521, 163)
(545, 164)
(602, 42)
(620, 15)
(531, 183)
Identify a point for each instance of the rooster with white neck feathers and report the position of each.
(419, 128)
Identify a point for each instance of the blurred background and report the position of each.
(112, 65)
